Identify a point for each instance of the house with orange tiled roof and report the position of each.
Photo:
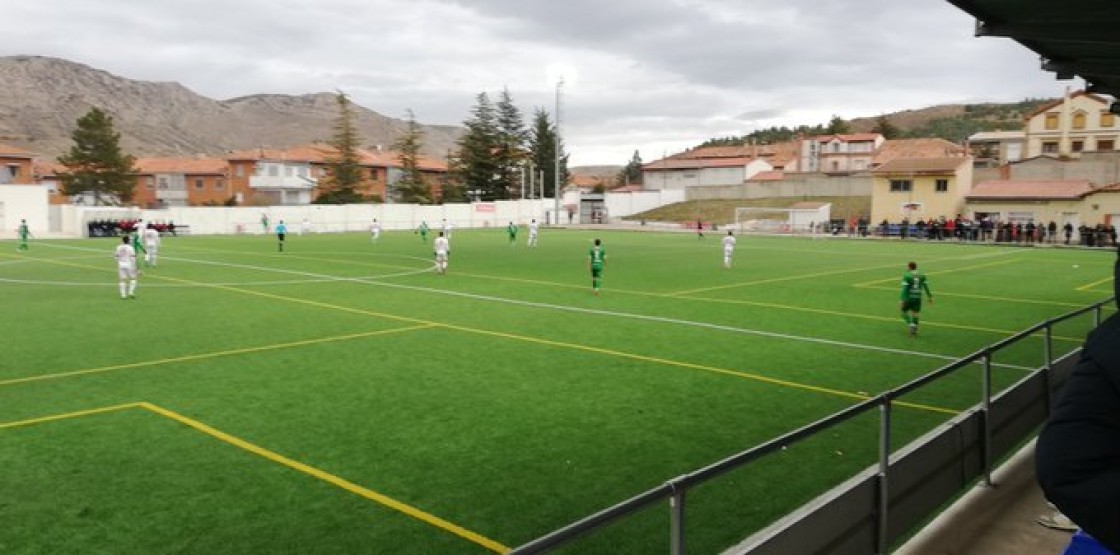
(1078, 122)
(1074, 201)
(839, 153)
(716, 166)
(16, 166)
(165, 182)
(292, 176)
(920, 188)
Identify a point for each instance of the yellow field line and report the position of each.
(573, 346)
(987, 297)
(925, 322)
(332, 479)
(215, 354)
(941, 272)
(1094, 284)
(336, 481)
(65, 416)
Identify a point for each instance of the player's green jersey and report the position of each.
(913, 283)
(597, 255)
(511, 230)
(137, 244)
(24, 233)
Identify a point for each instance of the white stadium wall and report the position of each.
(620, 205)
(24, 202)
(221, 220)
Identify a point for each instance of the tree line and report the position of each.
(497, 158)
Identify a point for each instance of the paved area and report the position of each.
(998, 520)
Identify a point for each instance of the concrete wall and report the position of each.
(322, 218)
(27, 202)
(620, 205)
(792, 186)
(1101, 168)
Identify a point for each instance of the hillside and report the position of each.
(42, 98)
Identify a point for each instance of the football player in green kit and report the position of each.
(913, 283)
(596, 260)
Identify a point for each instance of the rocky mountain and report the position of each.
(42, 98)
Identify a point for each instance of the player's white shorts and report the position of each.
(126, 271)
(152, 248)
(441, 257)
(728, 252)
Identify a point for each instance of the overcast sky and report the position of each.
(655, 76)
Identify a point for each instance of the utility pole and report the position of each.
(556, 190)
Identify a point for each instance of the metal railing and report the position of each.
(676, 489)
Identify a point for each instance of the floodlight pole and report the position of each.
(556, 188)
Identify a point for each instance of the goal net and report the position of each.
(797, 220)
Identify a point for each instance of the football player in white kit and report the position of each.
(126, 269)
(728, 249)
(442, 248)
(151, 245)
(534, 229)
(374, 230)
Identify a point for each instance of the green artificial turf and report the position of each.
(340, 397)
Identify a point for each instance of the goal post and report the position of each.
(786, 221)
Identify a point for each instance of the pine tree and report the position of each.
(95, 164)
(884, 127)
(452, 188)
(510, 153)
(341, 186)
(631, 174)
(476, 166)
(411, 187)
(837, 126)
(542, 150)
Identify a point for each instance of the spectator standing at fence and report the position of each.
(151, 245)
(24, 236)
(913, 283)
(374, 230)
(281, 233)
(1068, 231)
(728, 249)
(126, 269)
(699, 229)
(596, 262)
(1078, 451)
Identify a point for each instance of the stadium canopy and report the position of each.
(1076, 38)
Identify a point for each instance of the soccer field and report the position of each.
(341, 397)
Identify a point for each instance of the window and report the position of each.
(240, 171)
(941, 185)
(1108, 119)
(150, 182)
(1051, 121)
(1050, 147)
(163, 183)
(289, 171)
(199, 184)
(219, 185)
(273, 170)
(1106, 144)
(1079, 120)
(13, 170)
(689, 175)
(901, 185)
(1078, 146)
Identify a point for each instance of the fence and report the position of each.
(866, 514)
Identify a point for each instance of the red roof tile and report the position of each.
(193, 166)
(1035, 190)
(916, 148)
(774, 175)
(921, 165)
(9, 151)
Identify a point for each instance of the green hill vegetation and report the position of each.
(723, 211)
(952, 122)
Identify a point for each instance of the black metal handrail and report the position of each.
(675, 489)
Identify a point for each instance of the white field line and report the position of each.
(598, 312)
